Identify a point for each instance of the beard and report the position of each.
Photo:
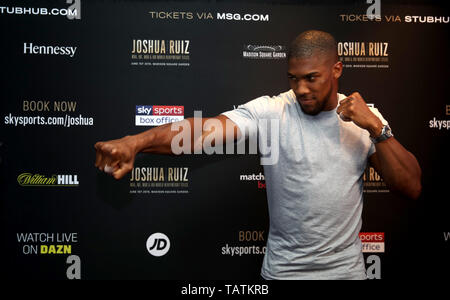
(318, 106)
(313, 110)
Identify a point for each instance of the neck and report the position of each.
(332, 100)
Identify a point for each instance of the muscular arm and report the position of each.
(159, 140)
(120, 154)
(398, 168)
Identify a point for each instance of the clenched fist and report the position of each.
(354, 108)
(116, 157)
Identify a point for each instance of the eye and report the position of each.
(290, 77)
(311, 78)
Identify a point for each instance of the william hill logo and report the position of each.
(29, 179)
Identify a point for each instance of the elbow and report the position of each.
(415, 191)
(411, 189)
(416, 185)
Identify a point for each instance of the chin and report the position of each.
(312, 112)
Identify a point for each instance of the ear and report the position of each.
(337, 70)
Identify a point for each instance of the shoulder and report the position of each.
(277, 102)
(265, 106)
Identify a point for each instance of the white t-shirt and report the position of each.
(314, 190)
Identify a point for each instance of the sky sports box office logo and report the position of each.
(155, 115)
(372, 242)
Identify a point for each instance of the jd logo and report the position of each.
(158, 244)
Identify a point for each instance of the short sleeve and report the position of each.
(372, 149)
(246, 116)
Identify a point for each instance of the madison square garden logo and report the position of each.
(264, 52)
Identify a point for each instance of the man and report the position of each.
(314, 190)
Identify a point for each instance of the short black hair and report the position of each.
(312, 42)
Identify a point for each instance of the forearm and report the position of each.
(399, 168)
(117, 156)
(187, 136)
(158, 140)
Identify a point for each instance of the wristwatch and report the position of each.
(385, 134)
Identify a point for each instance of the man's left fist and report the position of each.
(354, 108)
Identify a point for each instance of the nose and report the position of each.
(301, 88)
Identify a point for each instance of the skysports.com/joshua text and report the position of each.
(65, 121)
(242, 250)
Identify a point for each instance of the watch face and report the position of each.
(385, 134)
(387, 130)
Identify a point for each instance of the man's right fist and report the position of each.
(116, 157)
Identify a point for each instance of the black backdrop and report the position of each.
(110, 221)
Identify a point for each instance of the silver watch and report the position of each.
(385, 134)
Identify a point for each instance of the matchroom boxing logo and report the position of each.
(155, 115)
(254, 177)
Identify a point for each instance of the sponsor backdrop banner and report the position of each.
(77, 72)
